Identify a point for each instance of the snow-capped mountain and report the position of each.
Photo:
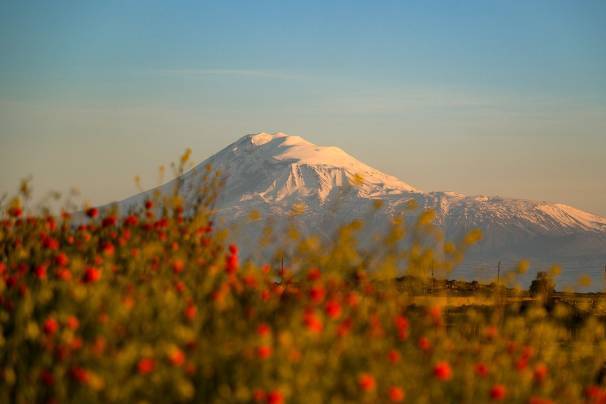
(271, 173)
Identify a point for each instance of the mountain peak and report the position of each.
(271, 172)
(261, 138)
(281, 150)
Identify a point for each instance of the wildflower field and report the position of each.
(156, 306)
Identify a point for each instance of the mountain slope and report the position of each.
(269, 173)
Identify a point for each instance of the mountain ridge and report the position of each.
(269, 173)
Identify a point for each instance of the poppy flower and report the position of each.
(72, 323)
(40, 271)
(15, 211)
(263, 329)
(177, 266)
(92, 212)
(333, 309)
(80, 375)
(274, 397)
(176, 357)
(61, 259)
(313, 322)
(264, 351)
(442, 371)
(231, 264)
(50, 326)
(314, 274)
(92, 274)
(481, 369)
(190, 312)
(393, 356)
(540, 373)
(498, 392)
(366, 382)
(396, 394)
(316, 294)
(424, 344)
(109, 221)
(146, 365)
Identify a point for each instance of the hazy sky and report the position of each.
(479, 97)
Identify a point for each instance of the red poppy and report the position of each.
(333, 309)
(92, 274)
(435, 313)
(92, 212)
(50, 243)
(108, 249)
(131, 220)
(63, 274)
(40, 271)
(264, 351)
(109, 221)
(15, 211)
(180, 286)
(259, 395)
(595, 394)
(313, 322)
(393, 356)
(72, 323)
(178, 265)
(231, 264)
(275, 397)
(50, 326)
(498, 392)
(314, 274)
(442, 371)
(401, 323)
(263, 329)
(316, 294)
(146, 365)
(190, 312)
(62, 259)
(490, 332)
(176, 357)
(540, 373)
(366, 382)
(396, 394)
(80, 375)
(424, 344)
(481, 369)
(344, 327)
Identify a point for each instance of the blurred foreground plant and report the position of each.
(153, 306)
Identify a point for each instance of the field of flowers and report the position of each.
(155, 306)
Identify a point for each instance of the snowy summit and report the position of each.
(282, 168)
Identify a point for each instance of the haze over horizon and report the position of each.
(478, 98)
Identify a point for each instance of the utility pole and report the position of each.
(433, 280)
(282, 268)
(499, 272)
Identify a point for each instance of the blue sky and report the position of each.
(480, 97)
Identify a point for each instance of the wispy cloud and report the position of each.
(258, 73)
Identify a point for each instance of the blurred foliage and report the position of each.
(153, 306)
